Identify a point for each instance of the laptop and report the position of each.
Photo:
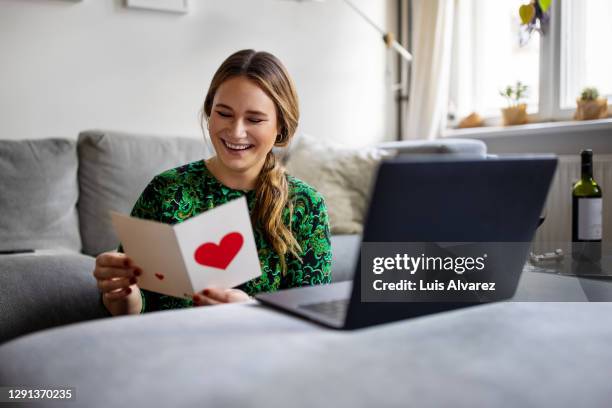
(434, 200)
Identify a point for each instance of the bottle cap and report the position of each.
(586, 153)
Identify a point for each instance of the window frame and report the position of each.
(550, 109)
(550, 77)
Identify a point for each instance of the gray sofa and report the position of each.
(507, 354)
(56, 197)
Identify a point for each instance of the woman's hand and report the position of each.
(215, 296)
(116, 274)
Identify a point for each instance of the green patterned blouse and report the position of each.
(186, 191)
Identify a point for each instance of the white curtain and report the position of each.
(432, 28)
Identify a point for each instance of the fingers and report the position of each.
(115, 273)
(236, 295)
(113, 259)
(200, 299)
(215, 296)
(108, 285)
(117, 294)
(104, 272)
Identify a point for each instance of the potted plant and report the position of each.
(516, 112)
(535, 16)
(590, 105)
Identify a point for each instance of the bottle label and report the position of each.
(589, 218)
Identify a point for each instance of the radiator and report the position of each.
(558, 224)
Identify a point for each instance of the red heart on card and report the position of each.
(219, 256)
(159, 276)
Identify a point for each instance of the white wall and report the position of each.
(68, 66)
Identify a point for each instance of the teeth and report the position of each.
(237, 146)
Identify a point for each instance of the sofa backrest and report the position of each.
(114, 168)
(38, 195)
(57, 193)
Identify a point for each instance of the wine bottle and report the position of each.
(586, 213)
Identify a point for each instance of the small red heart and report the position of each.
(159, 276)
(219, 256)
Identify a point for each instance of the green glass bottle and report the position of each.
(586, 213)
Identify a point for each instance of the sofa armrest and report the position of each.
(39, 291)
(471, 147)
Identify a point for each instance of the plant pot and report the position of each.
(589, 110)
(515, 115)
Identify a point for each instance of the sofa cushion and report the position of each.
(345, 250)
(505, 355)
(39, 194)
(114, 168)
(47, 289)
(342, 175)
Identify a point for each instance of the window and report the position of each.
(487, 56)
(586, 59)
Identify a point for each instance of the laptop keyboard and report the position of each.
(336, 309)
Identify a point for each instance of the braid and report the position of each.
(272, 193)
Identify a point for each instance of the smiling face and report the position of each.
(243, 125)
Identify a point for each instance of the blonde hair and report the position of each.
(272, 190)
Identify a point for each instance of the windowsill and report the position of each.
(531, 129)
(561, 138)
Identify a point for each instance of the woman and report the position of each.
(251, 106)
